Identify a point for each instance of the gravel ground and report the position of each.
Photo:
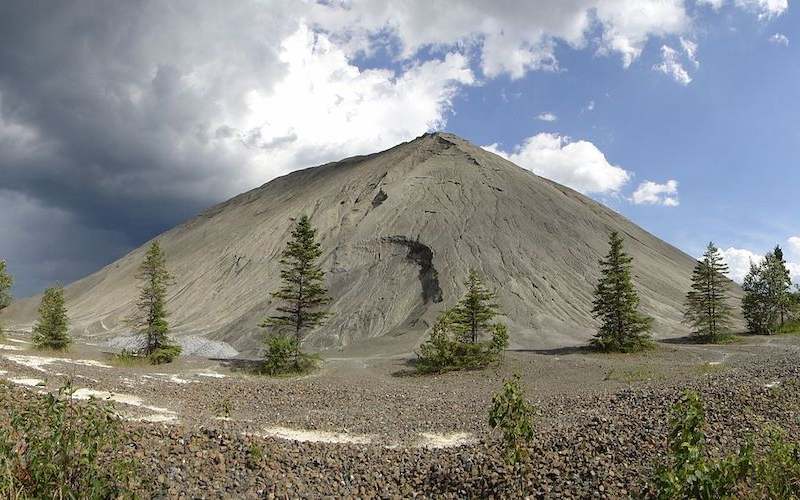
(600, 430)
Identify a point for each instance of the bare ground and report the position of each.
(364, 426)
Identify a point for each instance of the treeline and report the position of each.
(465, 336)
(148, 318)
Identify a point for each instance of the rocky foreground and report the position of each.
(601, 428)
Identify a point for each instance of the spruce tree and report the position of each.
(52, 329)
(6, 281)
(767, 298)
(616, 304)
(781, 283)
(150, 316)
(475, 311)
(756, 304)
(303, 291)
(707, 310)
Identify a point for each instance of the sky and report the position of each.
(119, 120)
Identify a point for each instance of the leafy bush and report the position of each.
(55, 447)
(446, 350)
(772, 472)
(165, 354)
(790, 327)
(513, 416)
(777, 471)
(284, 357)
(691, 473)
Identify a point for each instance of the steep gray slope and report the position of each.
(400, 229)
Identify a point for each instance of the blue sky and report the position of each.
(119, 120)
(730, 137)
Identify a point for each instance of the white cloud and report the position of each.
(739, 259)
(765, 9)
(326, 108)
(653, 193)
(714, 4)
(577, 164)
(547, 117)
(671, 66)
(590, 106)
(794, 246)
(511, 37)
(690, 49)
(779, 39)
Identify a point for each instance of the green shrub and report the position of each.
(690, 473)
(777, 470)
(513, 416)
(165, 354)
(56, 447)
(128, 358)
(446, 350)
(284, 357)
(790, 327)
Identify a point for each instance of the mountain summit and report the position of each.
(400, 230)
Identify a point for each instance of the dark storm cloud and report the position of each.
(112, 116)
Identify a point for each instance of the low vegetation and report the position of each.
(6, 282)
(513, 416)
(284, 357)
(633, 374)
(52, 329)
(55, 447)
(301, 297)
(455, 341)
(773, 471)
(616, 304)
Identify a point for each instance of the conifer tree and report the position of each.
(781, 283)
(52, 329)
(150, 316)
(616, 304)
(707, 310)
(475, 311)
(767, 298)
(6, 281)
(303, 291)
(756, 305)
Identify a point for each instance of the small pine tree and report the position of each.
(756, 308)
(303, 291)
(52, 329)
(707, 310)
(150, 316)
(781, 283)
(616, 304)
(6, 281)
(475, 311)
(767, 300)
(513, 416)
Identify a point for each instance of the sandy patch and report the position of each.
(18, 341)
(158, 418)
(772, 384)
(315, 436)
(210, 374)
(7, 347)
(437, 441)
(166, 377)
(37, 362)
(126, 399)
(30, 382)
